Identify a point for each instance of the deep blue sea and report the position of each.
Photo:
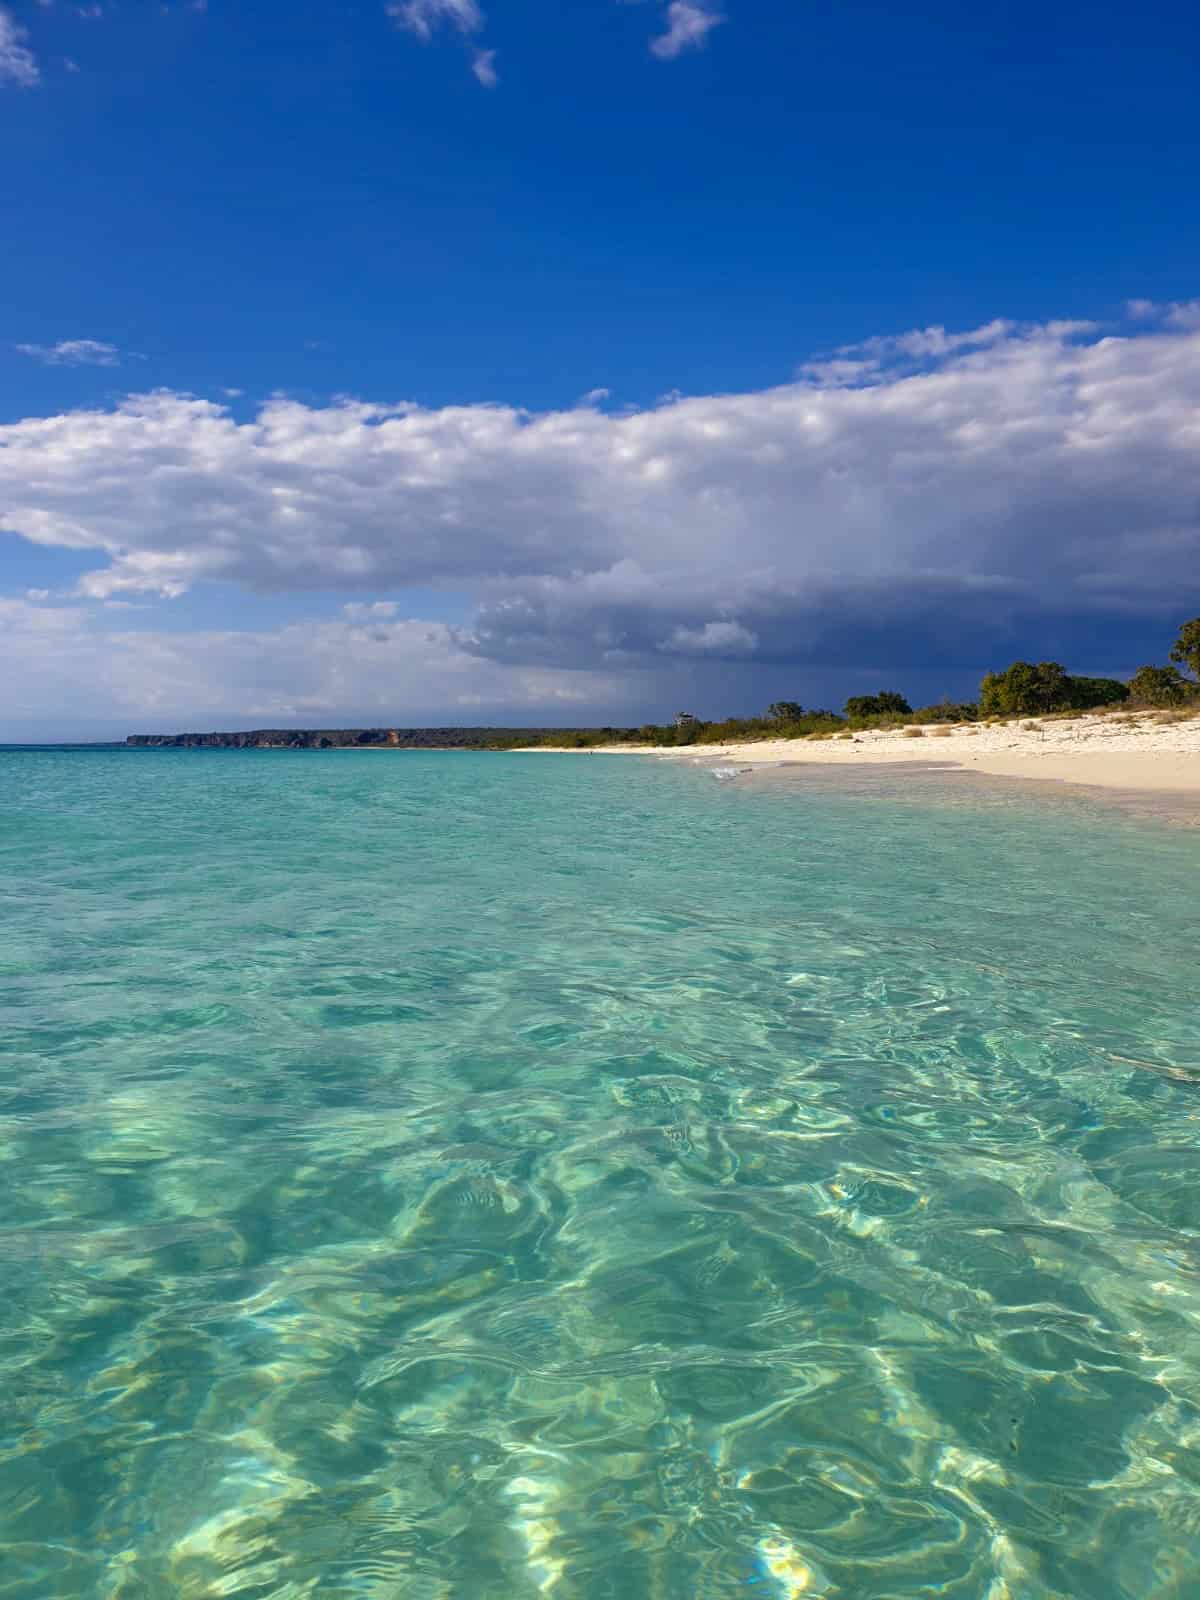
(491, 1177)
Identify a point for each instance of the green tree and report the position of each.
(785, 711)
(1084, 693)
(887, 703)
(1025, 688)
(1186, 649)
(1159, 686)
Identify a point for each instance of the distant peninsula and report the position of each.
(344, 739)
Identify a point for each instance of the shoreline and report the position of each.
(1141, 752)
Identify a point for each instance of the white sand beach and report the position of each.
(1132, 751)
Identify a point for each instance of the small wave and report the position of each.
(727, 774)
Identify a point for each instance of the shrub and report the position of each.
(1159, 686)
(1022, 688)
(1087, 693)
(887, 703)
(1025, 688)
(752, 728)
(1186, 649)
(948, 711)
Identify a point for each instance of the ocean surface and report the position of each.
(500, 1176)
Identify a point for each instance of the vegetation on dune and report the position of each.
(887, 703)
(1026, 687)
(946, 711)
(1186, 649)
(1160, 686)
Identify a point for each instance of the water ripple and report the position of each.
(453, 1176)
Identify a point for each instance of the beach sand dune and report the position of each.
(1128, 751)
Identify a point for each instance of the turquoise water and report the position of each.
(512, 1176)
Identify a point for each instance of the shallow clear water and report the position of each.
(446, 1175)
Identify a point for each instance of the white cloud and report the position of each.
(422, 17)
(1172, 313)
(688, 27)
(1183, 314)
(890, 356)
(425, 17)
(483, 65)
(369, 610)
(66, 664)
(17, 64)
(74, 353)
(922, 343)
(713, 639)
(1018, 476)
(595, 397)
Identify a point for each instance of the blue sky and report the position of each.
(269, 214)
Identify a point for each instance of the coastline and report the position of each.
(1135, 751)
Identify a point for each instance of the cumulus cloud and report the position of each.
(715, 639)
(1019, 488)
(17, 63)
(688, 27)
(74, 353)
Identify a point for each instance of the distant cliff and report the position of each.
(341, 738)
